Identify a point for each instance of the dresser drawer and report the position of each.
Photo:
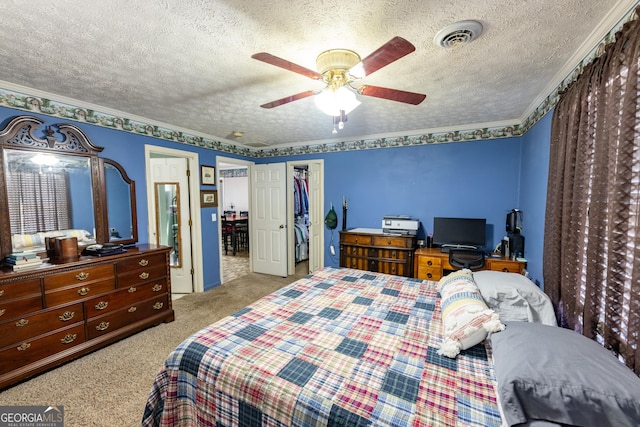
(395, 254)
(424, 261)
(27, 327)
(124, 298)
(143, 262)
(507, 266)
(29, 351)
(356, 251)
(79, 292)
(395, 268)
(356, 239)
(10, 291)
(112, 321)
(395, 241)
(429, 273)
(85, 275)
(20, 307)
(142, 275)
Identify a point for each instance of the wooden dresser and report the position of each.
(432, 264)
(373, 250)
(58, 312)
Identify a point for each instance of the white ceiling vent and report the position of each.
(458, 34)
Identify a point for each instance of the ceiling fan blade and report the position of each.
(392, 94)
(391, 51)
(288, 99)
(287, 65)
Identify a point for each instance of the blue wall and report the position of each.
(533, 192)
(478, 179)
(483, 179)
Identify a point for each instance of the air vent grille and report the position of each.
(458, 34)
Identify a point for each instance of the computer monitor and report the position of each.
(459, 232)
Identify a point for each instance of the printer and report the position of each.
(400, 224)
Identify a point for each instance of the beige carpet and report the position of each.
(110, 386)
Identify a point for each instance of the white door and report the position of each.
(165, 173)
(316, 219)
(269, 219)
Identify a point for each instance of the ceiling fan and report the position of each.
(340, 68)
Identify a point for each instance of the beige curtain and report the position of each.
(592, 229)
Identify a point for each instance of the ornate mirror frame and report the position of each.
(18, 134)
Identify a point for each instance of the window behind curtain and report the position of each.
(592, 238)
(38, 201)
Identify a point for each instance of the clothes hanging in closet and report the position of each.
(300, 195)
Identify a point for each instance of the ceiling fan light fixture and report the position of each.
(334, 102)
(336, 59)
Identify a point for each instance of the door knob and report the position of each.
(281, 225)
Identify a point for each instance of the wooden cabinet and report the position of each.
(432, 264)
(373, 250)
(58, 312)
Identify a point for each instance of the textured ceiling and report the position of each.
(187, 64)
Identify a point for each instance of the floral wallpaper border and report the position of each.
(26, 102)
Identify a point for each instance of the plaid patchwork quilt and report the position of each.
(340, 347)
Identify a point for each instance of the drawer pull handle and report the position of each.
(22, 322)
(505, 270)
(83, 291)
(66, 316)
(143, 262)
(69, 338)
(23, 346)
(429, 275)
(157, 287)
(1, 292)
(102, 326)
(102, 305)
(144, 275)
(158, 306)
(82, 276)
(429, 262)
(388, 242)
(132, 289)
(3, 311)
(132, 309)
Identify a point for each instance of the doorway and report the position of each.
(233, 196)
(173, 216)
(306, 230)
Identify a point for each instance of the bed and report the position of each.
(340, 347)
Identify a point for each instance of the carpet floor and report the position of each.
(109, 387)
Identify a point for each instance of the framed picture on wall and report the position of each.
(208, 198)
(207, 175)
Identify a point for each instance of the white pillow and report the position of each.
(466, 318)
(515, 297)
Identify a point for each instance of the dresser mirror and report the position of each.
(57, 186)
(120, 191)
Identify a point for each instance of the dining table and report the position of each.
(233, 221)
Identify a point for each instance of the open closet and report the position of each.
(301, 212)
